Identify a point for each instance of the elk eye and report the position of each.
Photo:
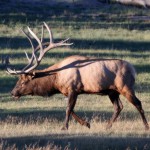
(22, 83)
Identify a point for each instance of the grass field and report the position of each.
(105, 31)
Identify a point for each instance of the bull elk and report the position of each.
(76, 75)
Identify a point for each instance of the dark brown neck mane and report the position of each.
(44, 85)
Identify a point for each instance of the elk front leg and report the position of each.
(114, 97)
(70, 106)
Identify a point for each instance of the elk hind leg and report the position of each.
(81, 121)
(129, 94)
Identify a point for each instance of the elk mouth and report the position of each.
(16, 97)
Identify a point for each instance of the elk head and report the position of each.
(27, 74)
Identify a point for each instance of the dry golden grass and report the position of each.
(34, 116)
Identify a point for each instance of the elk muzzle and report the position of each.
(15, 94)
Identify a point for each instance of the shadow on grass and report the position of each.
(17, 43)
(34, 115)
(62, 54)
(79, 141)
(69, 14)
(7, 84)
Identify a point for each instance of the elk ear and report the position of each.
(31, 75)
(22, 76)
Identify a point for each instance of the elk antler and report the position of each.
(33, 62)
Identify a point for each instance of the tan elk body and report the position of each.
(76, 75)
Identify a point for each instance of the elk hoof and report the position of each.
(64, 128)
(146, 127)
(108, 126)
(87, 124)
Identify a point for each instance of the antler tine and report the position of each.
(50, 33)
(37, 39)
(9, 71)
(42, 35)
(35, 65)
(64, 42)
(27, 56)
(13, 72)
(30, 60)
(28, 38)
(33, 34)
(52, 45)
